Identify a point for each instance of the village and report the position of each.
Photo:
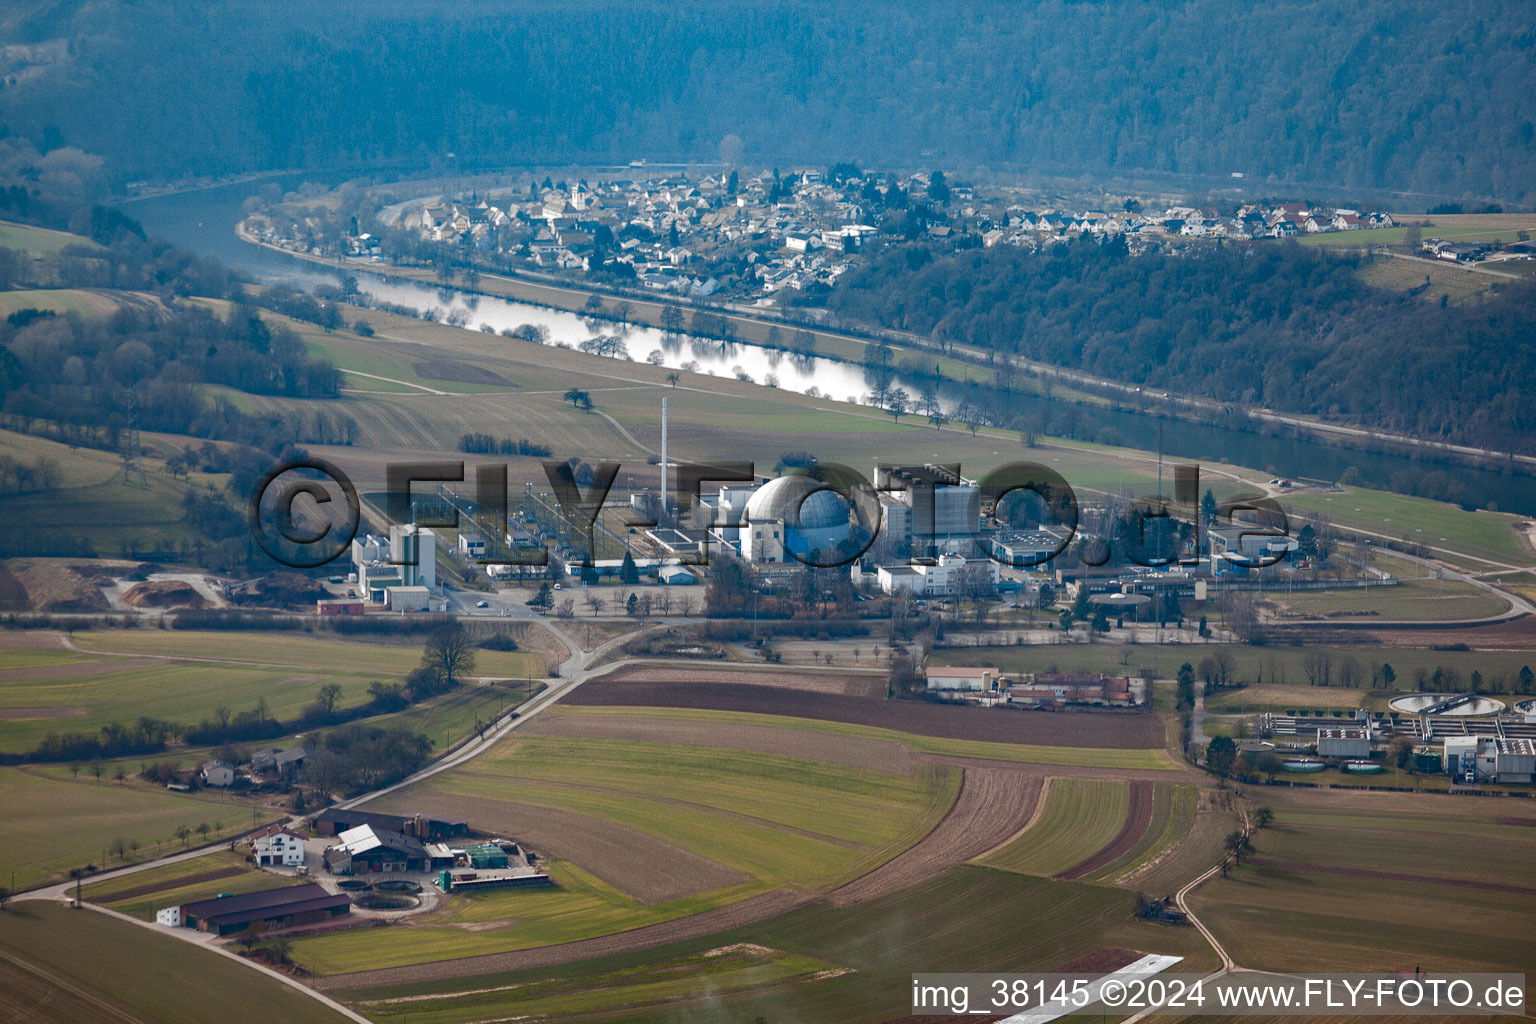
(759, 236)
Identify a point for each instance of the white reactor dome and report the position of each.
(799, 501)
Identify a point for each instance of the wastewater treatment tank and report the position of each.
(387, 901)
(1457, 705)
(1302, 764)
(1362, 767)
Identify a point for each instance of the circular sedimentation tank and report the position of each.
(1362, 767)
(387, 901)
(1302, 764)
(353, 884)
(397, 885)
(1527, 706)
(1413, 703)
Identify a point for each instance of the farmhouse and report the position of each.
(275, 908)
(1345, 742)
(954, 678)
(277, 845)
(218, 773)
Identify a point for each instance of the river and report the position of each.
(204, 222)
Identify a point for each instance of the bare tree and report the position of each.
(449, 651)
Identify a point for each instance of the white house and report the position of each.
(218, 773)
(277, 844)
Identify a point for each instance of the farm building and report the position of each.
(363, 851)
(1085, 687)
(274, 908)
(1343, 742)
(954, 677)
(333, 821)
(277, 845)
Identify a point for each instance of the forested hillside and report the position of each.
(1416, 94)
(1277, 325)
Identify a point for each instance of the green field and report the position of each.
(1468, 227)
(312, 652)
(1483, 536)
(122, 690)
(785, 820)
(579, 906)
(1312, 901)
(62, 966)
(1418, 600)
(228, 669)
(965, 919)
(39, 241)
(1455, 283)
(1080, 817)
(56, 821)
(722, 973)
(1079, 757)
(57, 300)
(119, 893)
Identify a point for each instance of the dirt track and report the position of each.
(1138, 816)
(1115, 730)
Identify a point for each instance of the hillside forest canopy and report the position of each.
(1416, 95)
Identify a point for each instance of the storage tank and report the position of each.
(1426, 759)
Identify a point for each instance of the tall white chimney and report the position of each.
(665, 512)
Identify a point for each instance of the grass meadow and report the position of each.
(1381, 881)
(56, 820)
(62, 966)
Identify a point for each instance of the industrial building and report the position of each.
(1344, 742)
(288, 907)
(930, 580)
(405, 558)
(1490, 758)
